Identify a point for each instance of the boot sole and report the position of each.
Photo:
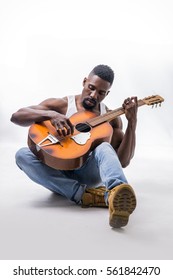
(124, 203)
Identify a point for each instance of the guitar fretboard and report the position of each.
(107, 117)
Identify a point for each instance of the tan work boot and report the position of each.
(94, 197)
(122, 202)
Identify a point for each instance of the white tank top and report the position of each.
(71, 109)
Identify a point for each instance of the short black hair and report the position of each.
(104, 72)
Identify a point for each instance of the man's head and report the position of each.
(96, 86)
(104, 72)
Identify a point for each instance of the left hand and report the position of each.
(130, 106)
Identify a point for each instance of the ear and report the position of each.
(84, 81)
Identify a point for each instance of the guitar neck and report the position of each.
(107, 117)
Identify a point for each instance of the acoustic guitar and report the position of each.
(90, 130)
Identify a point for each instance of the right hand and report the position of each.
(62, 124)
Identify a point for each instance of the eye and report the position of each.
(102, 93)
(91, 87)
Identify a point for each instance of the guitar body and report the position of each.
(69, 152)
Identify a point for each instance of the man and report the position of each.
(103, 166)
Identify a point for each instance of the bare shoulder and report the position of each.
(56, 104)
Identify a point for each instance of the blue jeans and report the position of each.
(101, 168)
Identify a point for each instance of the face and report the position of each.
(94, 91)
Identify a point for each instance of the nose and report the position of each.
(93, 94)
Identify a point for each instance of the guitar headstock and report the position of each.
(153, 100)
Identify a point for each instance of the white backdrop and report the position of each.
(48, 47)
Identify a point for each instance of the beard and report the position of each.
(89, 103)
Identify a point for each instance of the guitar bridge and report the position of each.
(52, 140)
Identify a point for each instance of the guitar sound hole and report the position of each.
(83, 127)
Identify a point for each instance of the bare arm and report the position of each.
(51, 109)
(124, 144)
